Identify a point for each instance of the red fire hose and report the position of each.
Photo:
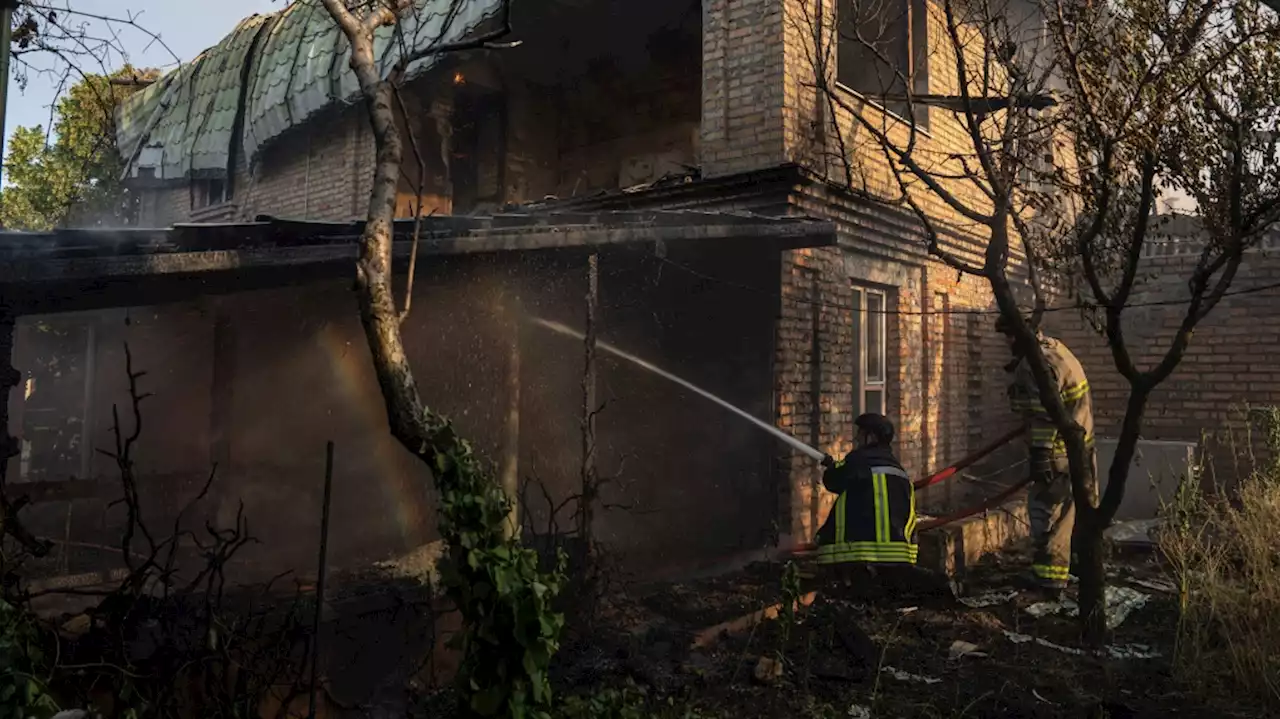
(950, 471)
(946, 473)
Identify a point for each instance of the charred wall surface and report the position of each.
(257, 382)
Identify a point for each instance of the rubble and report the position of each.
(1121, 602)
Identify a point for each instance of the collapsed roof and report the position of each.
(271, 74)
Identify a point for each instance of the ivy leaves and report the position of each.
(511, 630)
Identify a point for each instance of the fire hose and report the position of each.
(952, 470)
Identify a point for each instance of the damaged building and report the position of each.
(676, 140)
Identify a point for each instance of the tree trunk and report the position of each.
(509, 470)
(1086, 543)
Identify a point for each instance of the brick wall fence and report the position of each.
(1229, 365)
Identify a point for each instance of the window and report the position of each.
(870, 370)
(209, 193)
(57, 394)
(881, 51)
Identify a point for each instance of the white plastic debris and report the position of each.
(1036, 694)
(1115, 651)
(990, 599)
(1133, 532)
(1121, 602)
(1017, 638)
(1044, 609)
(908, 610)
(961, 648)
(909, 677)
(857, 711)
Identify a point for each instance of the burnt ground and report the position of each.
(644, 639)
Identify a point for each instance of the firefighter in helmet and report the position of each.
(1049, 502)
(873, 520)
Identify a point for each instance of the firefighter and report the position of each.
(1049, 502)
(873, 520)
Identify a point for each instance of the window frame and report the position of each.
(870, 324)
(200, 194)
(917, 59)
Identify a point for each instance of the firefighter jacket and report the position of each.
(874, 516)
(1072, 385)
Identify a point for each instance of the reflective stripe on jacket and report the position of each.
(1073, 386)
(874, 516)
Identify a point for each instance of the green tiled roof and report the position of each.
(295, 63)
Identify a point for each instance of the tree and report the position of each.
(76, 177)
(504, 599)
(1075, 118)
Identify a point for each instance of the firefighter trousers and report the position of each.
(1051, 509)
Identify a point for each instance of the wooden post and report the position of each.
(589, 405)
(510, 466)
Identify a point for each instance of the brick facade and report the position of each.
(1229, 365)
(752, 111)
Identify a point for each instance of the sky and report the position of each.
(186, 26)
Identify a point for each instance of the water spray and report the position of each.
(788, 439)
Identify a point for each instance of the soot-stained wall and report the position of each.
(258, 382)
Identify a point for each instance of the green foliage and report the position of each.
(23, 693)
(510, 630)
(74, 178)
(791, 593)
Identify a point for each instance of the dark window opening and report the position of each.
(479, 149)
(882, 53)
(209, 193)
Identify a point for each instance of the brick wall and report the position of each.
(825, 136)
(1229, 364)
(742, 86)
(944, 361)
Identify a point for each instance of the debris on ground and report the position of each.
(1018, 638)
(1136, 532)
(861, 652)
(909, 677)
(1121, 602)
(1132, 651)
(1158, 584)
(768, 670)
(961, 648)
(990, 599)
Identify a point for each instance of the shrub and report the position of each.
(1222, 548)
